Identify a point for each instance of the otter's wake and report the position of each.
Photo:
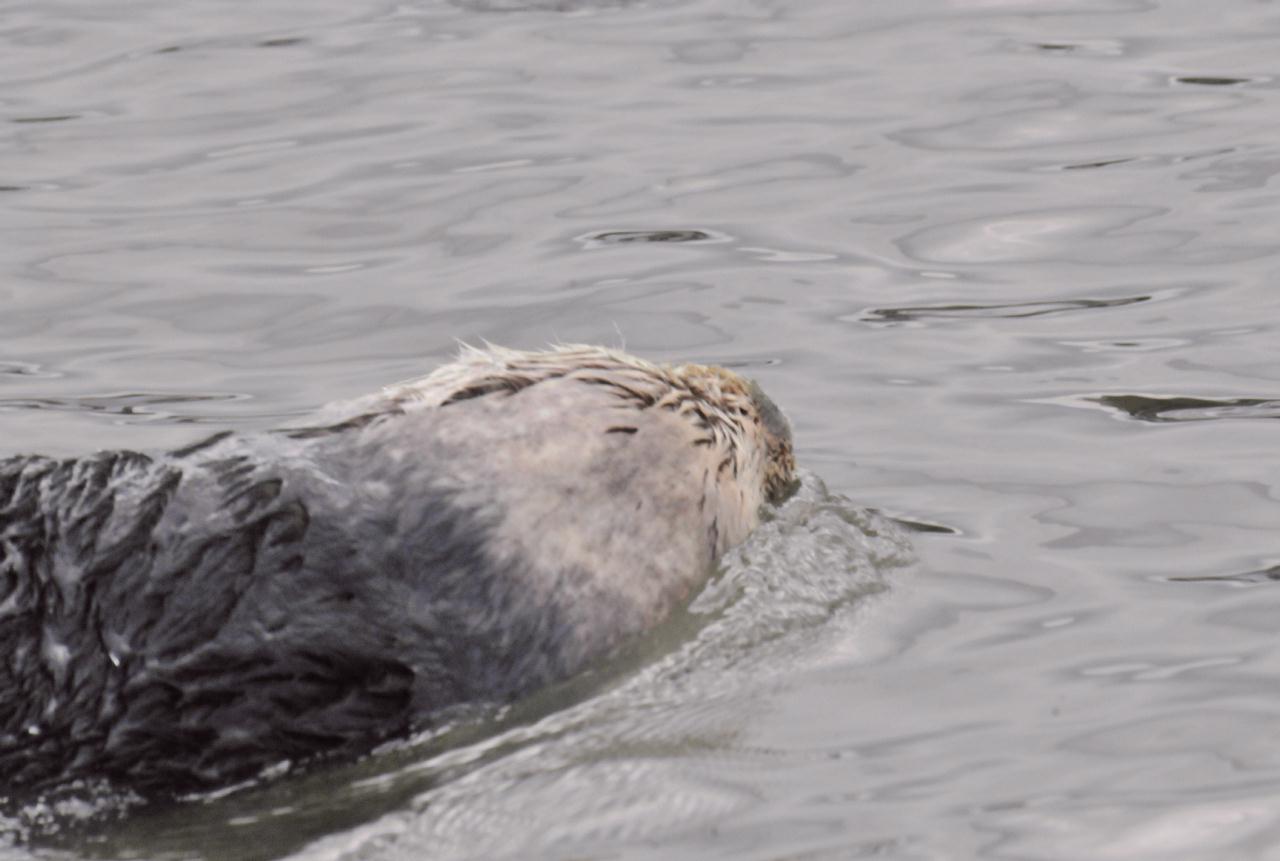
(624, 764)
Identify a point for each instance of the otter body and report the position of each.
(181, 622)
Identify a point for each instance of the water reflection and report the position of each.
(1179, 408)
(1211, 81)
(1261, 575)
(1094, 165)
(623, 237)
(1007, 310)
(49, 119)
(134, 404)
(539, 5)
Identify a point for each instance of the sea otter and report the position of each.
(177, 623)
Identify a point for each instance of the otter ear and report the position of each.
(774, 421)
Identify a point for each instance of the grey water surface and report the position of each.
(1008, 265)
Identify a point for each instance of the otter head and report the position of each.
(746, 427)
(738, 441)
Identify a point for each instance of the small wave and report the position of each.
(146, 405)
(539, 5)
(1270, 574)
(604, 238)
(1181, 408)
(1211, 80)
(912, 313)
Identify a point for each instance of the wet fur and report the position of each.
(179, 623)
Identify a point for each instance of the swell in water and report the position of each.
(620, 763)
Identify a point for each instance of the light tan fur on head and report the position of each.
(731, 414)
(612, 484)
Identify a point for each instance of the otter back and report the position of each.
(182, 622)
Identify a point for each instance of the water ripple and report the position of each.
(1165, 409)
(625, 237)
(1007, 310)
(150, 406)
